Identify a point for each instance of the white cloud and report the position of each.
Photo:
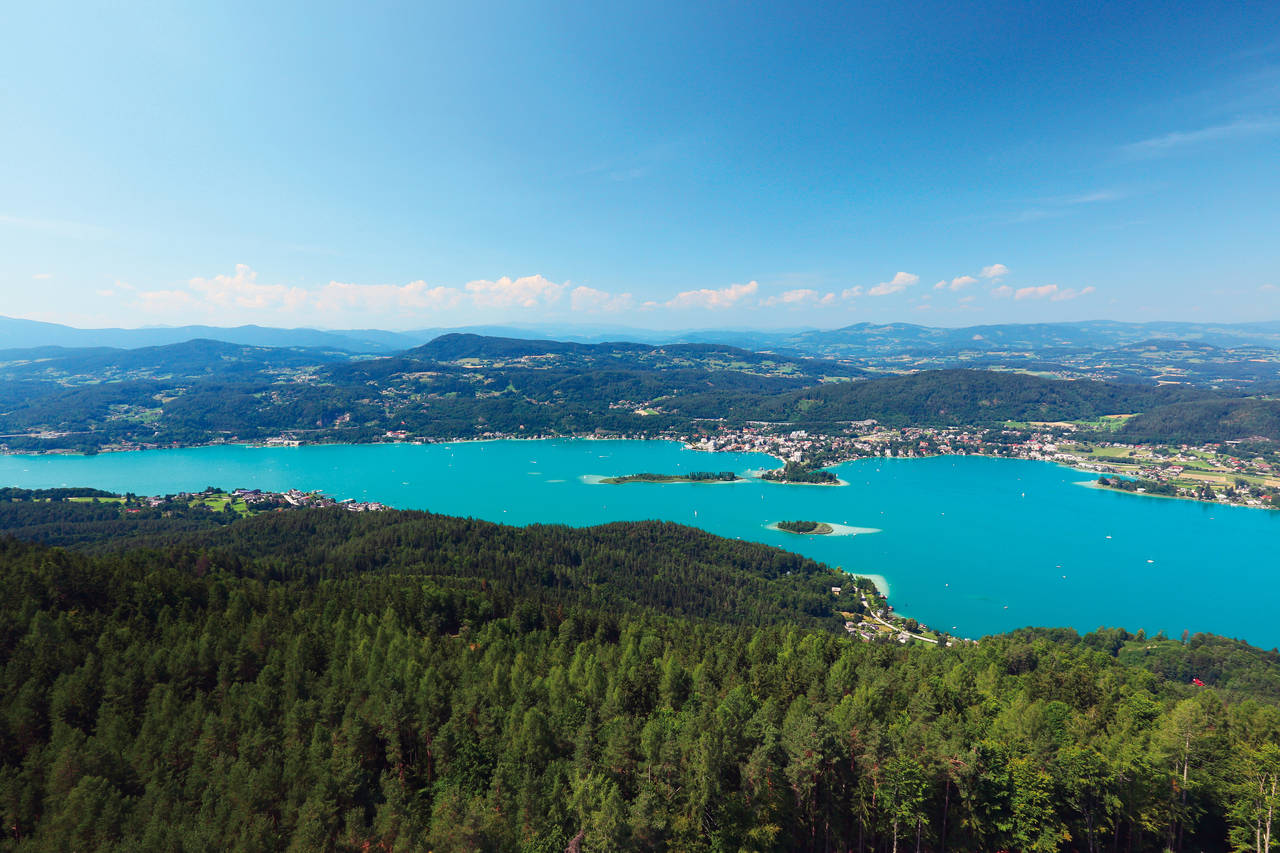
(851, 292)
(591, 301)
(1039, 292)
(341, 296)
(1268, 288)
(1231, 130)
(230, 298)
(1052, 292)
(525, 292)
(42, 276)
(958, 283)
(994, 271)
(725, 297)
(1070, 293)
(241, 296)
(799, 297)
(900, 281)
(243, 291)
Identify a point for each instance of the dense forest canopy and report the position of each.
(959, 397)
(319, 680)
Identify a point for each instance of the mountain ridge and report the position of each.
(846, 340)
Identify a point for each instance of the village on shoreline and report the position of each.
(242, 502)
(1218, 472)
(1209, 472)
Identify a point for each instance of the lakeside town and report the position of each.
(248, 501)
(1218, 472)
(1227, 472)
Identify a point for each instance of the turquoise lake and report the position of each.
(966, 544)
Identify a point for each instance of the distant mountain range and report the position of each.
(859, 341)
(193, 359)
(18, 333)
(864, 339)
(463, 385)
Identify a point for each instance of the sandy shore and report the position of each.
(879, 580)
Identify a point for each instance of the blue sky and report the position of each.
(664, 165)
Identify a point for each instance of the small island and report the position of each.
(691, 477)
(808, 528)
(798, 472)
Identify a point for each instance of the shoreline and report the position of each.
(1093, 484)
(752, 474)
(52, 473)
(880, 581)
(300, 443)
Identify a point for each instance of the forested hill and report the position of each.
(456, 345)
(871, 338)
(496, 351)
(623, 566)
(317, 680)
(461, 386)
(953, 397)
(1167, 413)
(209, 392)
(1207, 420)
(194, 359)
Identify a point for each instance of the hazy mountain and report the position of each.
(863, 339)
(622, 355)
(860, 340)
(16, 333)
(189, 359)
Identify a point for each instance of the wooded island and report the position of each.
(691, 477)
(798, 472)
(814, 528)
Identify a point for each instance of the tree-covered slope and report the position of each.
(1206, 420)
(188, 360)
(949, 398)
(317, 680)
(458, 386)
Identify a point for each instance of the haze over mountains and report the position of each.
(853, 341)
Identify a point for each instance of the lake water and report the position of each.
(966, 544)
